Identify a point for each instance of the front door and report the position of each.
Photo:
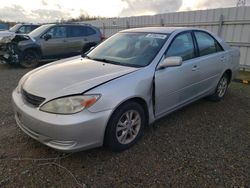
(175, 86)
(56, 45)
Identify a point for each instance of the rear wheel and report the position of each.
(221, 88)
(125, 127)
(30, 59)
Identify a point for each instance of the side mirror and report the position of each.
(84, 53)
(47, 37)
(170, 62)
(91, 48)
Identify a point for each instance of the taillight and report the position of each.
(102, 37)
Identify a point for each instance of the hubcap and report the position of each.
(222, 87)
(128, 127)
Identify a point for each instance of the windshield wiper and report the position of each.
(112, 62)
(106, 61)
(86, 56)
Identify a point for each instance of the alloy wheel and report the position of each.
(222, 87)
(128, 127)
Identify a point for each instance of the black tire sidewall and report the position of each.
(110, 134)
(35, 56)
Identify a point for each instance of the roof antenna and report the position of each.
(241, 3)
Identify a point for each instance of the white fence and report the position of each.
(232, 24)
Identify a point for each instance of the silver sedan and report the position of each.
(109, 95)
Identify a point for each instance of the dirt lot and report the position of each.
(203, 145)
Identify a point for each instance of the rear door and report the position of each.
(57, 45)
(175, 86)
(81, 38)
(76, 39)
(211, 59)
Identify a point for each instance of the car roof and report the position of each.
(74, 24)
(165, 30)
(29, 24)
(68, 24)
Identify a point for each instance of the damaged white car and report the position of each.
(14, 34)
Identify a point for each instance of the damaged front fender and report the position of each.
(9, 50)
(6, 37)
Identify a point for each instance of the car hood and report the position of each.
(6, 36)
(71, 77)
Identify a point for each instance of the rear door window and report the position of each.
(76, 31)
(206, 43)
(90, 31)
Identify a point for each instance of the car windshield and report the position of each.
(15, 28)
(40, 30)
(129, 49)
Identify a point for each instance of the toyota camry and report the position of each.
(108, 96)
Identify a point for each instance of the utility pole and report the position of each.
(241, 3)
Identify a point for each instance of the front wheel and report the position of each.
(30, 59)
(221, 89)
(125, 127)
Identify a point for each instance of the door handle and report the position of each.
(195, 68)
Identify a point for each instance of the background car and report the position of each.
(53, 41)
(20, 29)
(6, 36)
(4, 26)
(124, 84)
(23, 28)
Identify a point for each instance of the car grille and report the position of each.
(32, 99)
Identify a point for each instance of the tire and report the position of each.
(122, 132)
(30, 59)
(221, 89)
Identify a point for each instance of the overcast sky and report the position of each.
(54, 10)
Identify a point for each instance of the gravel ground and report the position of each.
(203, 145)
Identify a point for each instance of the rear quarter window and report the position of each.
(90, 31)
(80, 31)
(76, 31)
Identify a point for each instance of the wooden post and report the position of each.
(127, 24)
(103, 29)
(220, 25)
(162, 22)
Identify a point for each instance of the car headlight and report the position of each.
(69, 105)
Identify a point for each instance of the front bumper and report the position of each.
(9, 53)
(70, 133)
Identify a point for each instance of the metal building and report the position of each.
(232, 24)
